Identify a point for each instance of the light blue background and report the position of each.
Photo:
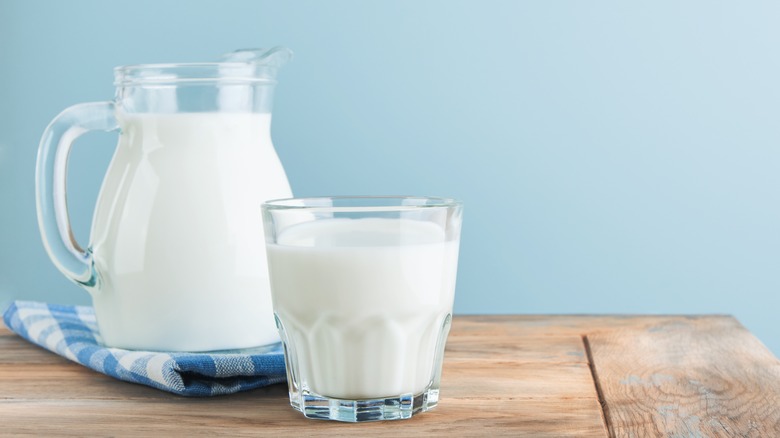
(614, 157)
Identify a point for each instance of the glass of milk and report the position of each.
(362, 291)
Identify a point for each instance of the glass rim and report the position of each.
(243, 66)
(426, 202)
(150, 74)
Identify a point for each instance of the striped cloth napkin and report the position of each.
(71, 332)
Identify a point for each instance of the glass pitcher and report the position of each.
(176, 259)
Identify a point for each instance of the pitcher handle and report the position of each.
(51, 201)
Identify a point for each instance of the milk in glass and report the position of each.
(363, 303)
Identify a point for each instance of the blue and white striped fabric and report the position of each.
(71, 332)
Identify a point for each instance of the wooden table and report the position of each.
(584, 376)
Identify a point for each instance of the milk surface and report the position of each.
(362, 302)
(177, 234)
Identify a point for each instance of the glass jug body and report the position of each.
(176, 259)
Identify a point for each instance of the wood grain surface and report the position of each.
(524, 376)
(688, 377)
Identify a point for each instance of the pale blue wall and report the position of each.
(613, 156)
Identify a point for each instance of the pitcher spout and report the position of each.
(274, 57)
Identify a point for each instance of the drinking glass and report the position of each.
(362, 291)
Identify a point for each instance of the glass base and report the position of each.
(355, 411)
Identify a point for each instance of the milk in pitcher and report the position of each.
(178, 235)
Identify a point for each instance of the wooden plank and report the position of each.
(519, 348)
(15, 350)
(498, 379)
(559, 325)
(257, 416)
(486, 381)
(687, 377)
